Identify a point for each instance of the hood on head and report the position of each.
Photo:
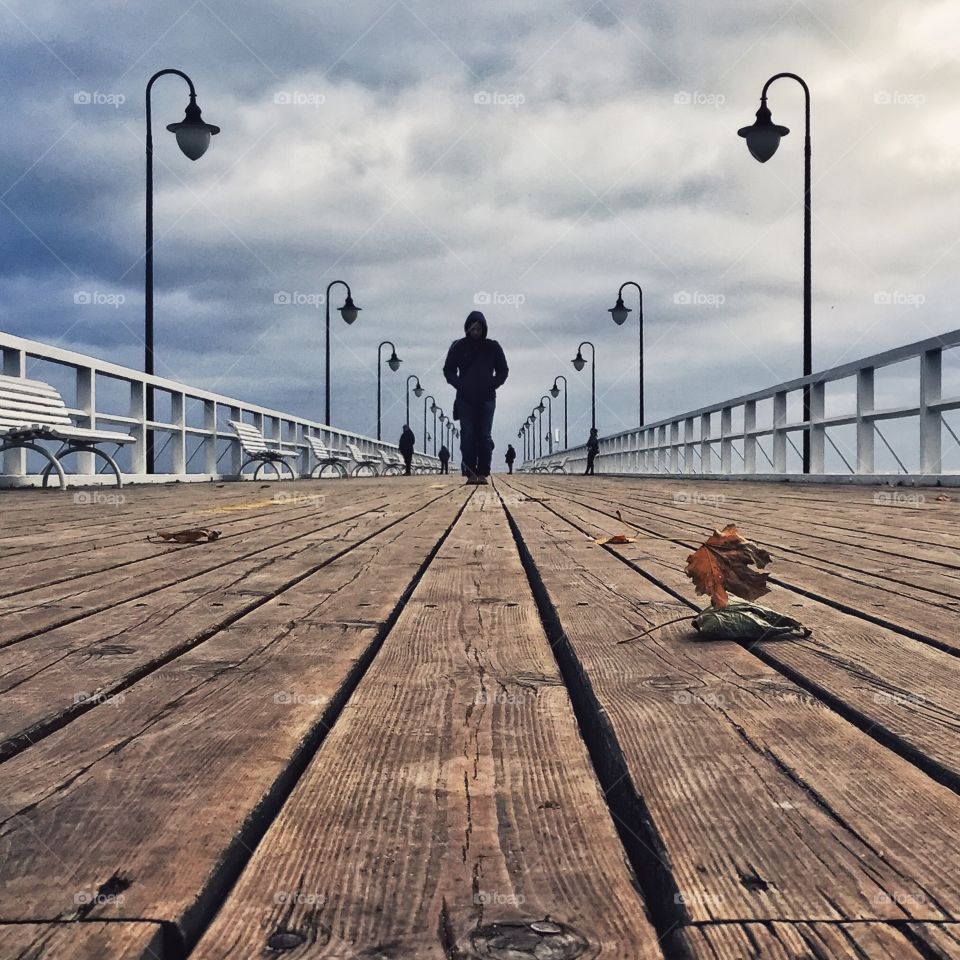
(473, 317)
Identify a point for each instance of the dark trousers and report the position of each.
(406, 464)
(510, 467)
(476, 440)
(590, 458)
(444, 466)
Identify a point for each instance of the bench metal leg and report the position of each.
(53, 462)
(69, 448)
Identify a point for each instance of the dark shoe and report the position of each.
(482, 480)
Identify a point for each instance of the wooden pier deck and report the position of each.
(389, 718)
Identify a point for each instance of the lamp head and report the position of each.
(394, 362)
(540, 407)
(763, 135)
(418, 390)
(578, 362)
(349, 311)
(193, 135)
(554, 391)
(619, 311)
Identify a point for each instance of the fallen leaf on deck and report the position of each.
(193, 535)
(723, 563)
(943, 497)
(617, 538)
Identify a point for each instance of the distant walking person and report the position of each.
(593, 448)
(444, 456)
(475, 367)
(407, 442)
(510, 457)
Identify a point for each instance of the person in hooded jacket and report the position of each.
(475, 367)
(406, 445)
(510, 457)
(443, 455)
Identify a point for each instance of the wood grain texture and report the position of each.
(453, 811)
(900, 687)
(81, 941)
(765, 802)
(160, 795)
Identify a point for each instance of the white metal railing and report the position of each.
(689, 444)
(215, 452)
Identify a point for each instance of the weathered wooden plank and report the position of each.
(940, 941)
(902, 689)
(801, 941)
(147, 567)
(81, 941)
(49, 678)
(165, 793)
(453, 805)
(765, 803)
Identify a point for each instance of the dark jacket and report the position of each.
(511, 454)
(593, 445)
(475, 368)
(407, 441)
(443, 454)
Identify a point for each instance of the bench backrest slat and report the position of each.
(356, 454)
(28, 402)
(251, 439)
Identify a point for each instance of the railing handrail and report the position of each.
(670, 445)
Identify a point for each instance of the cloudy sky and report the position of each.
(529, 157)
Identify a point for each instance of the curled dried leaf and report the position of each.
(192, 535)
(728, 563)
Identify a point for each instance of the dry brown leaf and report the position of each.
(943, 497)
(724, 563)
(192, 535)
(617, 538)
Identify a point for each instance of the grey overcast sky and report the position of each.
(526, 156)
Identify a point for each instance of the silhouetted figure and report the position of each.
(475, 366)
(444, 456)
(510, 457)
(407, 443)
(593, 448)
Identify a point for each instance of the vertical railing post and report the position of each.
(87, 404)
(178, 439)
(210, 440)
(726, 441)
(138, 412)
(818, 432)
(779, 435)
(688, 446)
(236, 452)
(866, 433)
(931, 379)
(705, 446)
(14, 365)
(675, 446)
(749, 440)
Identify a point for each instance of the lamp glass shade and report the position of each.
(394, 363)
(763, 135)
(619, 312)
(349, 310)
(193, 135)
(540, 407)
(554, 391)
(418, 391)
(578, 362)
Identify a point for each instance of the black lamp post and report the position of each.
(436, 410)
(349, 312)
(433, 408)
(619, 314)
(763, 137)
(393, 362)
(523, 438)
(417, 391)
(578, 364)
(549, 420)
(555, 392)
(193, 138)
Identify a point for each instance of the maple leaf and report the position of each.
(724, 563)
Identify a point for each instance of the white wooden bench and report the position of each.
(392, 464)
(31, 410)
(256, 451)
(559, 466)
(361, 460)
(326, 457)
